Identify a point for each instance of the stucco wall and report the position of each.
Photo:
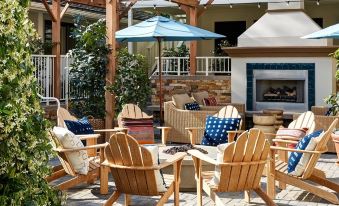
(324, 71)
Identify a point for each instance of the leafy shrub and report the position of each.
(24, 143)
(131, 83)
(88, 70)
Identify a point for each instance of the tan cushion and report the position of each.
(180, 100)
(220, 159)
(199, 97)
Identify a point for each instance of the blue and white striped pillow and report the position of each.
(295, 157)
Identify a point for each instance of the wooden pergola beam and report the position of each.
(95, 3)
(125, 11)
(49, 10)
(63, 12)
(201, 11)
(190, 3)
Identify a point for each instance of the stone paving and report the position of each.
(88, 195)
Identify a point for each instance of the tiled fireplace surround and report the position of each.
(281, 67)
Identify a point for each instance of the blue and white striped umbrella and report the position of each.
(329, 32)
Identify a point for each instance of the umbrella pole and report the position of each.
(160, 80)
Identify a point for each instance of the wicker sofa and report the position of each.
(179, 119)
(322, 122)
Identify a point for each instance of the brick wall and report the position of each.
(217, 86)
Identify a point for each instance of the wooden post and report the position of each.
(193, 17)
(56, 50)
(111, 24)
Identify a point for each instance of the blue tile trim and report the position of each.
(310, 67)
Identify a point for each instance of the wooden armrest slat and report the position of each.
(201, 156)
(97, 146)
(297, 150)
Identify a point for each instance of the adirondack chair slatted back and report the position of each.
(305, 120)
(63, 157)
(62, 115)
(250, 151)
(133, 111)
(321, 146)
(228, 112)
(124, 150)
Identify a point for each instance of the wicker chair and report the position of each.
(179, 119)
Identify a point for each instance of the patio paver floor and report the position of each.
(89, 195)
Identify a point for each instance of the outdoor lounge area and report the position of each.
(169, 102)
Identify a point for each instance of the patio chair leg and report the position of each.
(264, 196)
(114, 197)
(247, 195)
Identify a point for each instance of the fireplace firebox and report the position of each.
(286, 86)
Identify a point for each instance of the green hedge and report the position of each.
(24, 143)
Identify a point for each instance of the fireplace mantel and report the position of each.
(323, 51)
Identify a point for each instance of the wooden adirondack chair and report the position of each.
(277, 170)
(133, 169)
(241, 170)
(63, 114)
(66, 168)
(225, 112)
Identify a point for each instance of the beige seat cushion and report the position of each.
(78, 159)
(181, 99)
(199, 97)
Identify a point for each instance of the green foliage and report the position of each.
(131, 84)
(24, 143)
(181, 51)
(333, 100)
(336, 56)
(88, 70)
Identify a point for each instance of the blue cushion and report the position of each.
(192, 106)
(295, 157)
(81, 126)
(216, 130)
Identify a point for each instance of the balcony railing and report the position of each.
(179, 66)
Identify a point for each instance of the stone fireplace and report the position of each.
(272, 67)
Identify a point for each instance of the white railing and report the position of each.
(45, 72)
(179, 66)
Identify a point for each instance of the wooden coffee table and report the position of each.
(187, 175)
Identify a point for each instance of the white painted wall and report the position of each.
(324, 71)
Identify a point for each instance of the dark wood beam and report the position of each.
(64, 10)
(125, 11)
(202, 10)
(95, 3)
(190, 3)
(49, 10)
(111, 25)
(56, 49)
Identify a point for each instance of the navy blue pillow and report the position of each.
(216, 130)
(81, 126)
(192, 106)
(295, 157)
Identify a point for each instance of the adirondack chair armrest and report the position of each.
(170, 161)
(297, 150)
(97, 146)
(164, 134)
(201, 156)
(194, 128)
(117, 129)
(88, 136)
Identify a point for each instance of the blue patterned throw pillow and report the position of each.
(192, 106)
(216, 130)
(295, 157)
(81, 126)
